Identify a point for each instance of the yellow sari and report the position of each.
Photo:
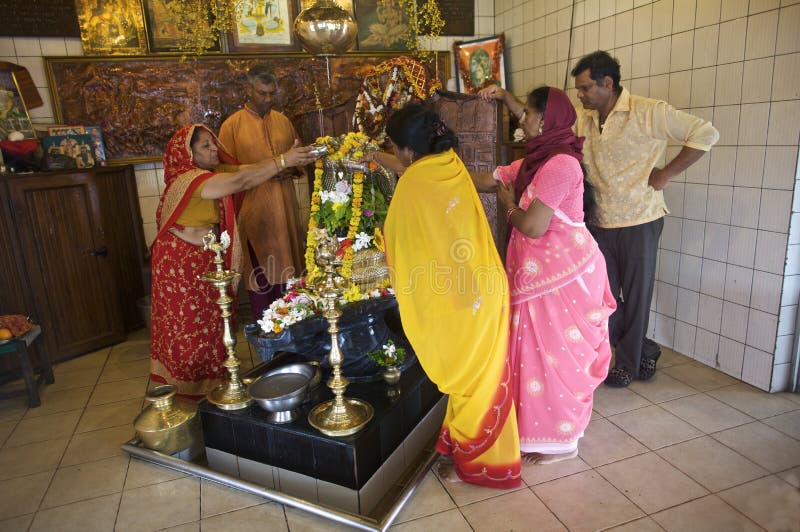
(453, 296)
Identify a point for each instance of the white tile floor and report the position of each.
(692, 450)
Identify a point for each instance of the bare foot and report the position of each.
(544, 459)
(446, 470)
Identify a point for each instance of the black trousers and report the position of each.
(630, 254)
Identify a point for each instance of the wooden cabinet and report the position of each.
(73, 253)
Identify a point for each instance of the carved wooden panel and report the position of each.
(141, 101)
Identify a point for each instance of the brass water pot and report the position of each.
(168, 424)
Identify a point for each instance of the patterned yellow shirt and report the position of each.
(619, 160)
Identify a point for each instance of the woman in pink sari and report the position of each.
(560, 297)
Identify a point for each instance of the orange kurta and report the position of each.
(269, 217)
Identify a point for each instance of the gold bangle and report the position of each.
(283, 161)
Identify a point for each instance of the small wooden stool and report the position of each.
(20, 345)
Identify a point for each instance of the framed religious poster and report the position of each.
(168, 26)
(13, 113)
(112, 27)
(382, 25)
(480, 63)
(263, 25)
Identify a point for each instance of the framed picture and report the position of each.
(98, 146)
(166, 28)
(112, 27)
(65, 130)
(382, 25)
(480, 63)
(76, 147)
(263, 25)
(13, 113)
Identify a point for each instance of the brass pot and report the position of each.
(169, 424)
(391, 375)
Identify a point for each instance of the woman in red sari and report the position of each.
(186, 347)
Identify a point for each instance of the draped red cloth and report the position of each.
(557, 137)
(186, 348)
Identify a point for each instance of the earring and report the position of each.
(541, 125)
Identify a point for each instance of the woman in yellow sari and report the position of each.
(453, 296)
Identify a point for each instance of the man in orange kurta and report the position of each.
(269, 217)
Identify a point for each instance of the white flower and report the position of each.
(343, 187)
(333, 196)
(519, 135)
(225, 239)
(363, 241)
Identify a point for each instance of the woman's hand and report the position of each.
(492, 93)
(298, 155)
(505, 196)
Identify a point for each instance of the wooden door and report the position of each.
(66, 255)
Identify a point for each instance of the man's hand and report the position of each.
(658, 179)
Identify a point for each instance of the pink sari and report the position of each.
(560, 304)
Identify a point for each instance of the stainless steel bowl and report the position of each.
(282, 390)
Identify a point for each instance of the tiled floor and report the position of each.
(691, 450)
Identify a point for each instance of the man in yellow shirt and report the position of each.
(626, 136)
(271, 231)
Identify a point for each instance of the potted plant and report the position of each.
(390, 358)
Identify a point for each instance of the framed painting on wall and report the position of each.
(480, 63)
(112, 27)
(166, 26)
(13, 113)
(263, 25)
(382, 25)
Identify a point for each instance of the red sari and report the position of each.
(186, 348)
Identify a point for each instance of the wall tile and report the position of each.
(734, 321)
(728, 90)
(757, 368)
(787, 72)
(607, 8)
(705, 46)
(692, 237)
(712, 279)
(27, 47)
(784, 123)
(74, 46)
(787, 319)
(766, 294)
(684, 338)
(694, 205)
(753, 123)
(683, 15)
(770, 251)
(7, 47)
(681, 51)
(591, 36)
(716, 241)
(671, 235)
(749, 166)
(790, 295)
(707, 12)
(758, 6)
(577, 43)
(621, 5)
(667, 298)
(642, 23)
(662, 18)
(775, 210)
(726, 120)
(146, 182)
(562, 47)
(742, 247)
(659, 87)
(640, 86)
(722, 165)
(792, 260)
(53, 46)
(539, 52)
(780, 167)
(664, 330)
(150, 231)
(784, 345)
(591, 10)
(668, 266)
(781, 378)
(680, 89)
(706, 346)
(738, 284)
(746, 203)
(148, 205)
(703, 83)
(719, 204)
(606, 38)
(762, 30)
(788, 39)
(756, 86)
(731, 40)
(687, 305)
(730, 356)
(709, 316)
(673, 196)
(690, 272)
(623, 31)
(660, 55)
(640, 60)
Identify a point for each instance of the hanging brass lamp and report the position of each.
(325, 29)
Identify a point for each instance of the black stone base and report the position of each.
(348, 461)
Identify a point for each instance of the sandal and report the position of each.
(618, 378)
(647, 369)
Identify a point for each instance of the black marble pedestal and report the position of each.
(350, 461)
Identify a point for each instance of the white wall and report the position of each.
(729, 263)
